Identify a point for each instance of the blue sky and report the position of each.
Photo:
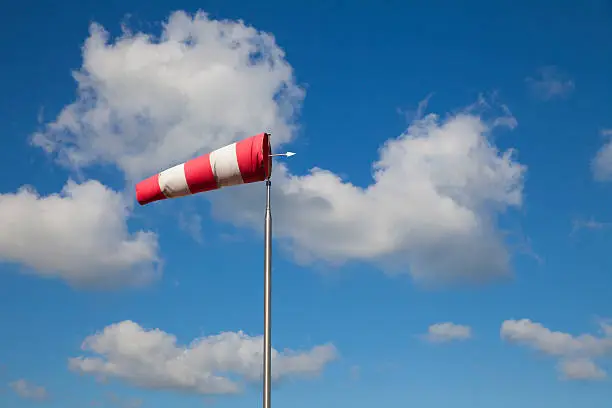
(440, 237)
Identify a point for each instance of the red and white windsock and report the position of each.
(242, 162)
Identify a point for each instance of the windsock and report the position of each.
(246, 161)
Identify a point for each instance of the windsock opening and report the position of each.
(267, 151)
(246, 161)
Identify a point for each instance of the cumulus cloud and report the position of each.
(601, 165)
(431, 208)
(576, 353)
(445, 332)
(217, 364)
(145, 103)
(79, 235)
(27, 390)
(550, 83)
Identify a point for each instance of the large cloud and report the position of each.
(576, 353)
(431, 207)
(79, 235)
(211, 365)
(437, 189)
(145, 103)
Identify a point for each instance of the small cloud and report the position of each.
(40, 117)
(192, 224)
(28, 390)
(601, 165)
(576, 354)
(606, 327)
(580, 369)
(521, 243)
(590, 224)
(446, 332)
(550, 83)
(419, 113)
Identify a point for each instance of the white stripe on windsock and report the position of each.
(172, 182)
(224, 164)
(246, 161)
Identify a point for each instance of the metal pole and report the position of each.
(267, 355)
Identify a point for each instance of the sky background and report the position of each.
(461, 184)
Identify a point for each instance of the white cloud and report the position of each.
(581, 369)
(209, 365)
(550, 83)
(601, 165)
(192, 224)
(577, 353)
(28, 390)
(556, 343)
(146, 103)
(431, 209)
(590, 224)
(445, 332)
(79, 235)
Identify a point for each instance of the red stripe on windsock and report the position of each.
(199, 175)
(148, 190)
(253, 154)
(251, 160)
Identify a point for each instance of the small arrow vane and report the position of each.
(288, 154)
